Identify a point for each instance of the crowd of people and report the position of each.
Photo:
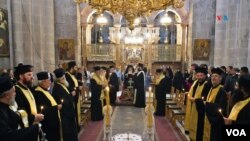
(216, 97)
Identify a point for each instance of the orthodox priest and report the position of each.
(62, 95)
(48, 107)
(24, 96)
(140, 97)
(9, 120)
(73, 88)
(97, 86)
(162, 86)
(215, 108)
(196, 119)
(240, 113)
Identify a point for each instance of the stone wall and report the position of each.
(201, 26)
(33, 33)
(65, 24)
(232, 46)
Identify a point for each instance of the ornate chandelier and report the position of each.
(131, 9)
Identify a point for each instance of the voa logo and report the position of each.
(236, 132)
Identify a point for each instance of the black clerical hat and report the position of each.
(97, 68)
(244, 81)
(71, 64)
(112, 66)
(104, 68)
(201, 70)
(59, 72)
(43, 75)
(217, 71)
(22, 69)
(159, 70)
(140, 65)
(5, 84)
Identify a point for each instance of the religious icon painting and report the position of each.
(4, 33)
(66, 49)
(201, 49)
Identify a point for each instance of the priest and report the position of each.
(215, 108)
(24, 96)
(162, 86)
(113, 85)
(48, 106)
(140, 97)
(62, 95)
(9, 120)
(97, 85)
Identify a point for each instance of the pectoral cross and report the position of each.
(130, 83)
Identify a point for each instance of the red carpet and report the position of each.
(92, 132)
(166, 132)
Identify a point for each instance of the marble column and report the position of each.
(118, 50)
(78, 26)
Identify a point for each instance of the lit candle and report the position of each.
(202, 98)
(62, 100)
(220, 111)
(150, 89)
(41, 109)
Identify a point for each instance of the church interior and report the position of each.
(171, 35)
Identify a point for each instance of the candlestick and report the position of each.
(41, 109)
(107, 96)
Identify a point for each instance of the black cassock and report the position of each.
(73, 87)
(114, 87)
(51, 122)
(213, 115)
(96, 104)
(68, 116)
(140, 98)
(23, 103)
(161, 90)
(9, 122)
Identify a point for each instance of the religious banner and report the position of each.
(66, 49)
(4, 33)
(201, 49)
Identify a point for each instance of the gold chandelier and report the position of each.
(131, 9)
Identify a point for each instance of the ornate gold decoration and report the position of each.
(131, 9)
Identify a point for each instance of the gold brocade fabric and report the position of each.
(237, 108)
(207, 126)
(74, 79)
(28, 95)
(188, 108)
(194, 113)
(158, 80)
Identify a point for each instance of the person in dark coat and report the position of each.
(97, 87)
(113, 85)
(24, 96)
(74, 89)
(140, 96)
(10, 121)
(62, 95)
(215, 106)
(48, 106)
(161, 89)
(240, 113)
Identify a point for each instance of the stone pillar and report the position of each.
(78, 26)
(118, 48)
(183, 47)
(150, 50)
(84, 43)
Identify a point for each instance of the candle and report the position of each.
(202, 98)
(107, 96)
(220, 111)
(150, 89)
(62, 100)
(150, 119)
(107, 116)
(41, 109)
